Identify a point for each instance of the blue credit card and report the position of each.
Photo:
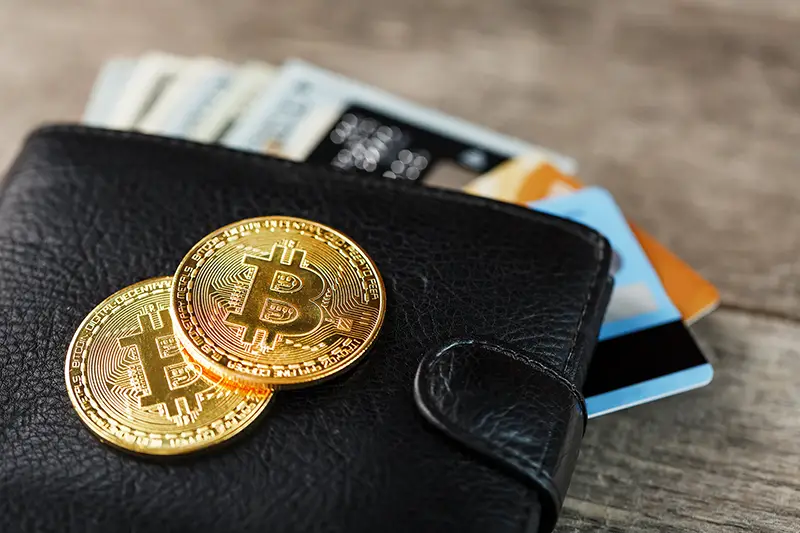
(645, 351)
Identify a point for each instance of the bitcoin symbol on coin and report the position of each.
(132, 384)
(279, 300)
(276, 301)
(170, 380)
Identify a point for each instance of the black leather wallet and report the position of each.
(464, 416)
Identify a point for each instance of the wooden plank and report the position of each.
(724, 458)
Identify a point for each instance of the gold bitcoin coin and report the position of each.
(133, 386)
(276, 301)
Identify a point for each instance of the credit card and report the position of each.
(530, 178)
(309, 114)
(645, 351)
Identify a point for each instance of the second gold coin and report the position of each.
(132, 385)
(276, 301)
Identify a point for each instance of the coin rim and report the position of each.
(237, 379)
(113, 441)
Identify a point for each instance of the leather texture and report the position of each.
(508, 407)
(86, 212)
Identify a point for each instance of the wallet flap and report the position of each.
(86, 212)
(511, 409)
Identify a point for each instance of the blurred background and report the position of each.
(687, 110)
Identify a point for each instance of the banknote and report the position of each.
(107, 89)
(232, 101)
(182, 104)
(151, 75)
(311, 114)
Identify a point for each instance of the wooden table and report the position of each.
(689, 111)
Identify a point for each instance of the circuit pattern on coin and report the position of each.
(277, 301)
(134, 387)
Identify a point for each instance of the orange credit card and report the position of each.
(527, 179)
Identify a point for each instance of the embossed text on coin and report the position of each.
(133, 386)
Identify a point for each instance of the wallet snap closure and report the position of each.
(511, 409)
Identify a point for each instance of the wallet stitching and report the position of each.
(516, 355)
(529, 464)
(538, 464)
(447, 426)
(509, 209)
(584, 310)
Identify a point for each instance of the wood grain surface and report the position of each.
(689, 111)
